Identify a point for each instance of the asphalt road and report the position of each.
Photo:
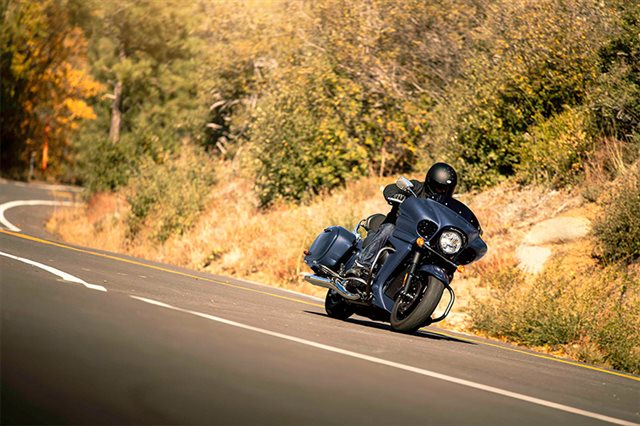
(29, 219)
(165, 345)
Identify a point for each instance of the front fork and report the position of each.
(413, 266)
(409, 279)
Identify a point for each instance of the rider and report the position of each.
(439, 184)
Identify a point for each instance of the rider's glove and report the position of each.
(397, 198)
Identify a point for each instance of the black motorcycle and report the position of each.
(408, 277)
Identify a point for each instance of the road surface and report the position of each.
(90, 337)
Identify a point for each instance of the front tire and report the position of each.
(337, 307)
(420, 314)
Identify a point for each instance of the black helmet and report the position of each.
(441, 180)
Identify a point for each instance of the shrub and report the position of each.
(169, 194)
(618, 229)
(556, 149)
(302, 145)
(591, 315)
(530, 313)
(103, 165)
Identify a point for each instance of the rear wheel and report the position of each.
(410, 312)
(337, 307)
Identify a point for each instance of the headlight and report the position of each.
(450, 242)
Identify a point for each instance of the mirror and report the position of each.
(404, 183)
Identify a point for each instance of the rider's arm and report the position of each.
(389, 192)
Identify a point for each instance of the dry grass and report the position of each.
(232, 236)
(507, 212)
(574, 308)
(100, 224)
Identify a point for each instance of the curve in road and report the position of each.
(24, 203)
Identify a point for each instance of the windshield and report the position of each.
(464, 211)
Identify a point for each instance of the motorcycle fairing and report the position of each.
(412, 211)
(385, 274)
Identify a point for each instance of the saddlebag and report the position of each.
(331, 247)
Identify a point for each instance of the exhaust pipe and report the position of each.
(330, 284)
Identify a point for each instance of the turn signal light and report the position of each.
(420, 242)
(460, 268)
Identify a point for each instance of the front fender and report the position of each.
(437, 272)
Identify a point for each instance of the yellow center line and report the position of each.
(227, 284)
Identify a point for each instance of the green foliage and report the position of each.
(341, 101)
(149, 47)
(618, 339)
(102, 165)
(482, 149)
(555, 150)
(317, 129)
(170, 194)
(618, 229)
(528, 63)
(302, 147)
(243, 43)
(539, 319)
(595, 312)
(615, 99)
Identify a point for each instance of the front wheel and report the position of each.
(337, 307)
(409, 315)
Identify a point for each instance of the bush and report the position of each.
(529, 313)
(556, 149)
(301, 144)
(618, 229)
(103, 165)
(169, 194)
(592, 315)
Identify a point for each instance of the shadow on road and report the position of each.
(386, 327)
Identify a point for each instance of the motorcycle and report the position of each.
(431, 241)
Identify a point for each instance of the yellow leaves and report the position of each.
(79, 109)
(49, 74)
(77, 81)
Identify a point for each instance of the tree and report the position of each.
(149, 55)
(45, 84)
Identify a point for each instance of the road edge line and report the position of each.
(397, 365)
